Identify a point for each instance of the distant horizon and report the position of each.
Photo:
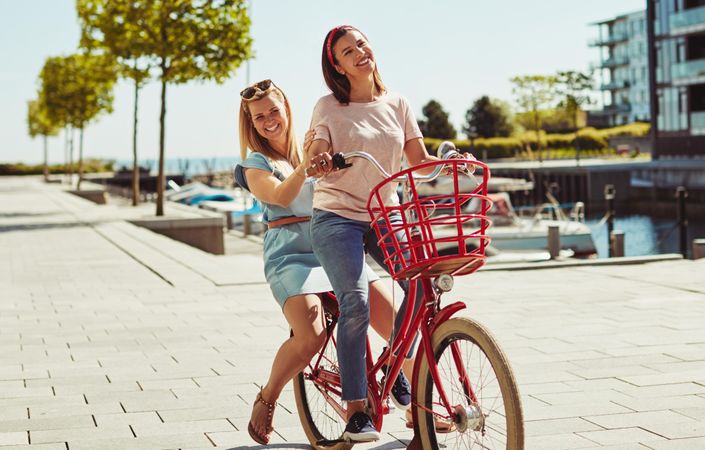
(452, 52)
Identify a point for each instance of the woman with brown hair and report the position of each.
(360, 114)
(274, 173)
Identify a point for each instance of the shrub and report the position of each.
(89, 166)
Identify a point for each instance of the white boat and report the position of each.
(511, 232)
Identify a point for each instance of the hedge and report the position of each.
(586, 139)
(89, 166)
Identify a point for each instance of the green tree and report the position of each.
(533, 93)
(76, 89)
(187, 40)
(575, 87)
(487, 118)
(38, 124)
(116, 27)
(436, 124)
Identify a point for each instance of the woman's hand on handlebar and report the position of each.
(320, 165)
(466, 168)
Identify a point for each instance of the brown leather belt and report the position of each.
(286, 221)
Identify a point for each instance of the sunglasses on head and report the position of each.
(251, 91)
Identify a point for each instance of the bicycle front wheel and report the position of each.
(480, 387)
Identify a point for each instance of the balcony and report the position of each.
(688, 21)
(697, 123)
(618, 108)
(615, 61)
(612, 39)
(615, 85)
(689, 72)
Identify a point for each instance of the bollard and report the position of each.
(698, 248)
(554, 241)
(681, 195)
(609, 198)
(246, 230)
(617, 241)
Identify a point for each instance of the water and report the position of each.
(189, 166)
(644, 235)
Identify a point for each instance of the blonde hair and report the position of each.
(251, 139)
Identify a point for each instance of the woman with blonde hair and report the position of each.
(274, 173)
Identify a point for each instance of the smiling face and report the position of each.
(270, 120)
(353, 55)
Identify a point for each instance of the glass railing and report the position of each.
(688, 69)
(621, 107)
(615, 61)
(614, 85)
(697, 122)
(688, 20)
(608, 40)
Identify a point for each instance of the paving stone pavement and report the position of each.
(115, 337)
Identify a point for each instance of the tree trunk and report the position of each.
(160, 176)
(80, 159)
(135, 165)
(71, 157)
(46, 160)
(66, 153)
(577, 141)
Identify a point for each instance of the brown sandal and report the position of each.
(442, 425)
(262, 440)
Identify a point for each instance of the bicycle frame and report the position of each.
(428, 317)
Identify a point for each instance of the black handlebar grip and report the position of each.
(339, 161)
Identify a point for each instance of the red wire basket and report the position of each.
(437, 234)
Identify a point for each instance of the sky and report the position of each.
(452, 51)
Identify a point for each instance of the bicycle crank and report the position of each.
(469, 418)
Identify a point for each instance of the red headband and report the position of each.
(331, 33)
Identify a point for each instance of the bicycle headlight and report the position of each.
(444, 282)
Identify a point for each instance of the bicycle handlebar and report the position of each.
(340, 161)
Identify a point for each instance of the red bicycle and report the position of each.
(461, 375)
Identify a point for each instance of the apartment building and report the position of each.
(623, 69)
(676, 36)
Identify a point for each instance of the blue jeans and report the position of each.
(375, 251)
(339, 244)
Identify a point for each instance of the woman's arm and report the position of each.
(416, 154)
(267, 188)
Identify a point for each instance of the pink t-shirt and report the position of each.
(380, 128)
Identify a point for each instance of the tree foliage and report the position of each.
(183, 40)
(487, 118)
(533, 93)
(38, 124)
(76, 89)
(575, 88)
(436, 123)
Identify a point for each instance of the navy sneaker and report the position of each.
(360, 429)
(401, 390)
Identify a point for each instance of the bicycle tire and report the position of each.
(501, 424)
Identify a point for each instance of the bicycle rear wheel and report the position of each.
(486, 406)
(320, 420)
